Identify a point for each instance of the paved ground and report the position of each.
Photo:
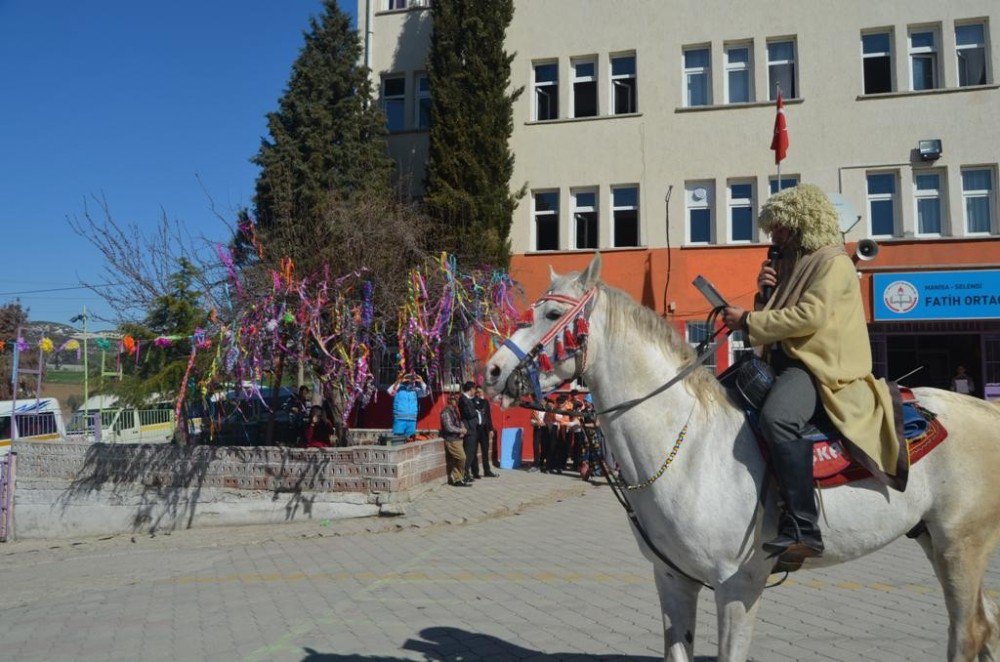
(523, 567)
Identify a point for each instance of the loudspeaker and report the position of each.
(866, 250)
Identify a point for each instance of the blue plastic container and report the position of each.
(510, 448)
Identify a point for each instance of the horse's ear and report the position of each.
(552, 275)
(592, 273)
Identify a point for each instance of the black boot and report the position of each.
(798, 531)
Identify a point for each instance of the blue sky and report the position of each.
(158, 107)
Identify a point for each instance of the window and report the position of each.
(781, 69)
(623, 85)
(546, 220)
(697, 332)
(739, 78)
(970, 47)
(882, 204)
(546, 91)
(876, 55)
(698, 198)
(422, 105)
(927, 191)
(394, 102)
(741, 225)
(585, 218)
(739, 345)
(787, 181)
(977, 195)
(584, 88)
(697, 77)
(397, 4)
(923, 60)
(625, 210)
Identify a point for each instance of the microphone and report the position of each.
(773, 254)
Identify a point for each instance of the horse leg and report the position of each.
(973, 630)
(679, 603)
(736, 601)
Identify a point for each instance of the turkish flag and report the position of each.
(779, 143)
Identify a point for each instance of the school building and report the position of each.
(643, 132)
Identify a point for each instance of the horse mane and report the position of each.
(625, 315)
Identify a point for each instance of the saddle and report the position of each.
(748, 382)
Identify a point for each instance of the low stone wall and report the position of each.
(66, 489)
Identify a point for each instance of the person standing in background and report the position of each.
(962, 383)
(470, 419)
(486, 433)
(539, 442)
(453, 431)
(406, 392)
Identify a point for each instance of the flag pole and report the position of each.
(778, 87)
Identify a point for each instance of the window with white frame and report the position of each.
(625, 215)
(697, 76)
(978, 199)
(546, 91)
(546, 210)
(970, 48)
(394, 102)
(781, 69)
(697, 332)
(882, 203)
(787, 181)
(876, 55)
(699, 197)
(739, 345)
(928, 202)
(923, 59)
(397, 4)
(624, 98)
(585, 227)
(741, 225)
(585, 88)
(422, 102)
(739, 73)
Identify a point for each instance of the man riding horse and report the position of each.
(812, 330)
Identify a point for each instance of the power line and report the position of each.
(58, 289)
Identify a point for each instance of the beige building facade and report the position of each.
(624, 99)
(644, 132)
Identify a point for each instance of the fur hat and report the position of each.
(806, 211)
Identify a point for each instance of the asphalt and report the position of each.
(523, 567)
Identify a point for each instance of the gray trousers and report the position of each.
(791, 403)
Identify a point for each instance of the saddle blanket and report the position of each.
(833, 465)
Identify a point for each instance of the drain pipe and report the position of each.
(369, 32)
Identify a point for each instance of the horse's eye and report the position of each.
(553, 315)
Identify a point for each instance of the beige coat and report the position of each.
(825, 329)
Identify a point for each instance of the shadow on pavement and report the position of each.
(449, 644)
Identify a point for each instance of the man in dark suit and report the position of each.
(470, 418)
(486, 433)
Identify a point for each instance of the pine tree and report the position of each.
(326, 138)
(470, 162)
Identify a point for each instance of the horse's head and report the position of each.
(531, 350)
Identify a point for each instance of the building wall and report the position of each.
(838, 134)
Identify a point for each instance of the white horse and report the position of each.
(704, 512)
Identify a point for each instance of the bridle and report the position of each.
(568, 337)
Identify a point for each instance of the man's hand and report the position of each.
(767, 277)
(733, 317)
